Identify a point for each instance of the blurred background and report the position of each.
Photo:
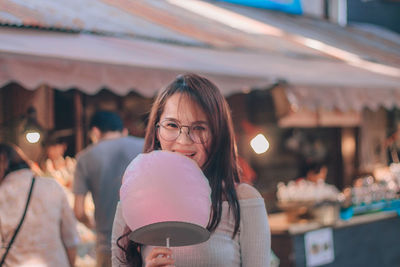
(314, 81)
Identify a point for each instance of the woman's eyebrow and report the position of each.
(170, 119)
(176, 120)
(200, 122)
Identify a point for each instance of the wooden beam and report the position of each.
(78, 106)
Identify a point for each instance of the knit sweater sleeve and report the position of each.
(255, 235)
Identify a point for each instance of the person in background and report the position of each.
(56, 165)
(314, 171)
(48, 235)
(192, 117)
(99, 170)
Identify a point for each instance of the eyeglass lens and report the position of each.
(170, 131)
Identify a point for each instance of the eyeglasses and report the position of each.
(170, 130)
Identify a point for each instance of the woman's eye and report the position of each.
(172, 125)
(199, 128)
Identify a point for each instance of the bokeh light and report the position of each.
(32, 137)
(259, 144)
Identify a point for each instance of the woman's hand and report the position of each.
(160, 257)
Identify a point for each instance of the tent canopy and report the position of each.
(141, 46)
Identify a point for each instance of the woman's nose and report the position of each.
(184, 136)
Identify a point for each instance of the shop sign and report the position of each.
(319, 247)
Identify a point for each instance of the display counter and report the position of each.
(364, 240)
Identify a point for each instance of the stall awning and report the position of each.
(150, 47)
(308, 106)
(90, 63)
(341, 98)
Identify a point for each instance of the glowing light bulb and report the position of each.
(259, 144)
(32, 137)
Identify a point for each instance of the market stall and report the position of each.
(364, 240)
(356, 227)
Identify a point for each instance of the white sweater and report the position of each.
(250, 247)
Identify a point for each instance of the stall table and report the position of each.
(369, 240)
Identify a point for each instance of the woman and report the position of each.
(48, 235)
(56, 165)
(191, 117)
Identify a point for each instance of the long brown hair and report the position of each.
(221, 166)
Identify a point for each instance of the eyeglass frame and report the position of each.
(189, 127)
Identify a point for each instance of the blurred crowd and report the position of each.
(47, 208)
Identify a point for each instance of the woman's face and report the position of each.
(181, 110)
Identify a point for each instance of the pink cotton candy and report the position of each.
(163, 186)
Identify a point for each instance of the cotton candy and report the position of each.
(163, 186)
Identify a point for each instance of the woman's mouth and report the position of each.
(187, 154)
